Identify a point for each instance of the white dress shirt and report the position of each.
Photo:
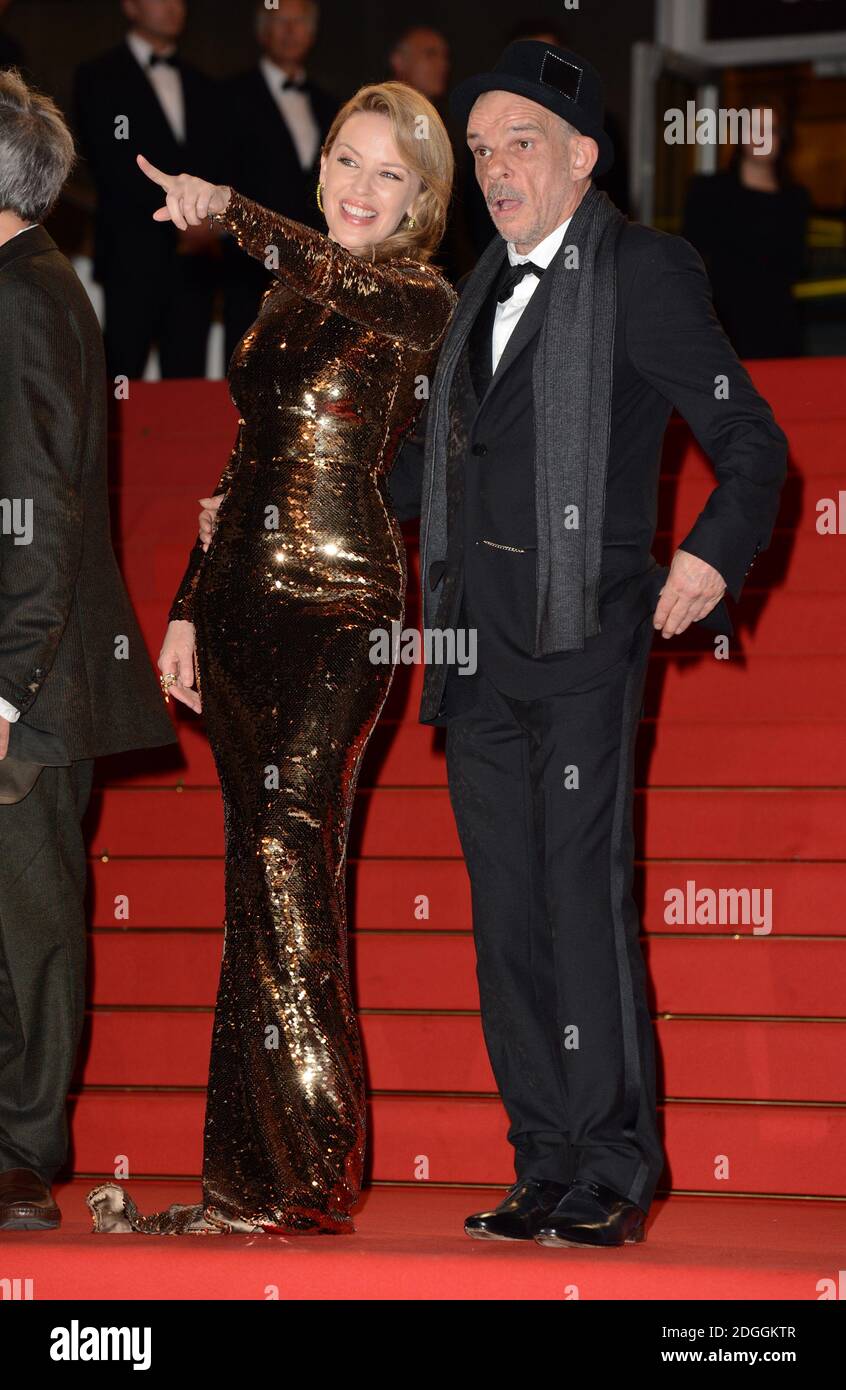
(8, 711)
(166, 82)
(508, 314)
(295, 109)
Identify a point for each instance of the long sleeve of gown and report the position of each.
(401, 298)
(182, 607)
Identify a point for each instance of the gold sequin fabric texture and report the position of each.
(306, 562)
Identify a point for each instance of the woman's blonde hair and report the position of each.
(422, 140)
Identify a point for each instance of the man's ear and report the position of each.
(584, 153)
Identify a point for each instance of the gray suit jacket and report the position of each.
(72, 658)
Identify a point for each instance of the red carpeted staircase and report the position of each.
(742, 786)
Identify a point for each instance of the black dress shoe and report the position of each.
(526, 1205)
(26, 1202)
(592, 1215)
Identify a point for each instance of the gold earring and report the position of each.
(320, 196)
(412, 222)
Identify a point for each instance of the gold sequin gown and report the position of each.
(306, 561)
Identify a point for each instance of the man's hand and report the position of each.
(692, 590)
(208, 518)
(5, 728)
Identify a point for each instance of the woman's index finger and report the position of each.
(152, 172)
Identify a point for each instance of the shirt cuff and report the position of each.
(9, 712)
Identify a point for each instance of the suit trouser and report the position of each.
(542, 792)
(42, 965)
(171, 308)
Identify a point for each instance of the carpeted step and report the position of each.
(729, 974)
(784, 687)
(784, 1149)
(680, 823)
(669, 754)
(420, 1050)
(391, 894)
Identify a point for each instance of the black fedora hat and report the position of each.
(555, 78)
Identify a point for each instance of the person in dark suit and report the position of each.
(75, 679)
(749, 223)
(421, 58)
(537, 476)
(158, 283)
(11, 53)
(277, 120)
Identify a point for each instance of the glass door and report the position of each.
(664, 83)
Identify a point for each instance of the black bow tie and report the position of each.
(515, 275)
(294, 84)
(171, 59)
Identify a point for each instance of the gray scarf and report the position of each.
(573, 377)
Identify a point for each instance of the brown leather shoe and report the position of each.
(26, 1202)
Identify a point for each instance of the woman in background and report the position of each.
(307, 560)
(749, 224)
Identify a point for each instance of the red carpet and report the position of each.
(409, 1244)
(742, 788)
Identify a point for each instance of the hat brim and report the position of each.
(466, 94)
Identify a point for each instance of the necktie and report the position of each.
(294, 84)
(514, 276)
(170, 58)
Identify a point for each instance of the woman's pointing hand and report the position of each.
(188, 200)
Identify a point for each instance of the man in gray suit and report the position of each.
(75, 679)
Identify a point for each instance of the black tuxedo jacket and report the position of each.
(261, 158)
(72, 658)
(670, 351)
(127, 240)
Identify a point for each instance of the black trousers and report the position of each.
(542, 792)
(42, 965)
(171, 308)
(245, 282)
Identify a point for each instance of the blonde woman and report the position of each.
(307, 559)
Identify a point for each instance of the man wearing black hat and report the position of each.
(576, 334)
